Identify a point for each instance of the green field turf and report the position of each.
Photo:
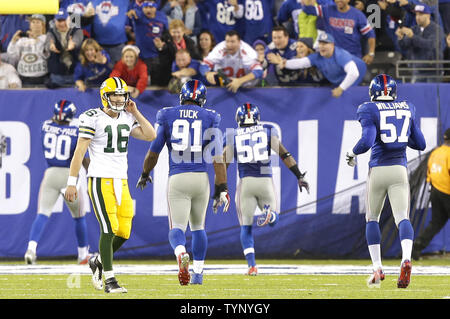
(235, 286)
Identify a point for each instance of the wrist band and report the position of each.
(72, 181)
(285, 155)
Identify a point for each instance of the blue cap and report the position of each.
(326, 37)
(150, 4)
(422, 8)
(61, 15)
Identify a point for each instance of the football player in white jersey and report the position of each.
(237, 60)
(105, 132)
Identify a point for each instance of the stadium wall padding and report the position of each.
(315, 127)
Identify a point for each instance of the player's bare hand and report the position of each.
(71, 193)
(131, 107)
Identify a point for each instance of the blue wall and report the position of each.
(315, 127)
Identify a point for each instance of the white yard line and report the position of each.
(219, 269)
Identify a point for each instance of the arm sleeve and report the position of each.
(369, 132)
(351, 76)
(157, 145)
(302, 63)
(416, 139)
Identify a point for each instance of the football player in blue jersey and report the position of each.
(185, 129)
(59, 138)
(388, 127)
(251, 145)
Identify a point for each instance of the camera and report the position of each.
(23, 34)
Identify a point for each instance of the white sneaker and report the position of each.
(30, 257)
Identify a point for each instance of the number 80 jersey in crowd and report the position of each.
(109, 145)
(59, 142)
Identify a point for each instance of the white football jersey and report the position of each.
(109, 146)
(244, 61)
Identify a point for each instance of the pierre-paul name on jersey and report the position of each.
(59, 142)
(109, 142)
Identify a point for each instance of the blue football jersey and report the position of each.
(59, 142)
(187, 130)
(252, 149)
(396, 129)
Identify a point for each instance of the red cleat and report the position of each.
(183, 273)
(405, 274)
(252, 271)
(376, 278)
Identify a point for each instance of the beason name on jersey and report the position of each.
(185, 129)
(109, 142)
(395, 124)
(252, 149)
(59, 142)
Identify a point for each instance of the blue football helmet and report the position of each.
(383, 88)
(194, 91)
(64, 110)
(247, 114)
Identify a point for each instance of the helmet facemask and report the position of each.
(116, 106)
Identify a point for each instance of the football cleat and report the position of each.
(267, 217)
(405, 274)
(30, 257)
(84, 261)
(183, 266)
(376, 278)
(196, 279)
(97, 270)
(252, 271)
(112, 286)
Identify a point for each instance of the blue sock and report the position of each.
(247, 243)
(38, 226)
(176, 237)
(373, 234)
(199, 244)
(81, 231)
(405, 230)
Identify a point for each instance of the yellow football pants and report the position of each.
(112, 217)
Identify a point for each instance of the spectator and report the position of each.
(63, 43)
(261, 47)
(205, 43)
(184, 68)
(94, 65)
(172, 10)
(347, 25)
(444, 10)
(309, 75)
(9, 24)
(258, 19)
(421, 43)
(29, 50)
(191, 18)
(219, 17)
(132, 70)
(149, 26)
(339, 66)
(236, 60)
(171, 43)
(82, 12)
(438, 175)
(285, 47)
(109, 26)
(9, 78)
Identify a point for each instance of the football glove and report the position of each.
(143, 180)
(221, 78)
(302, 183)
(350, 158)
(221, 197)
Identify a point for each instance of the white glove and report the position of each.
(223, 199)
(350, 157)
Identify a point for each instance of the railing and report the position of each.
(409, 70)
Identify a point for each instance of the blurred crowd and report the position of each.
(229, 43)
